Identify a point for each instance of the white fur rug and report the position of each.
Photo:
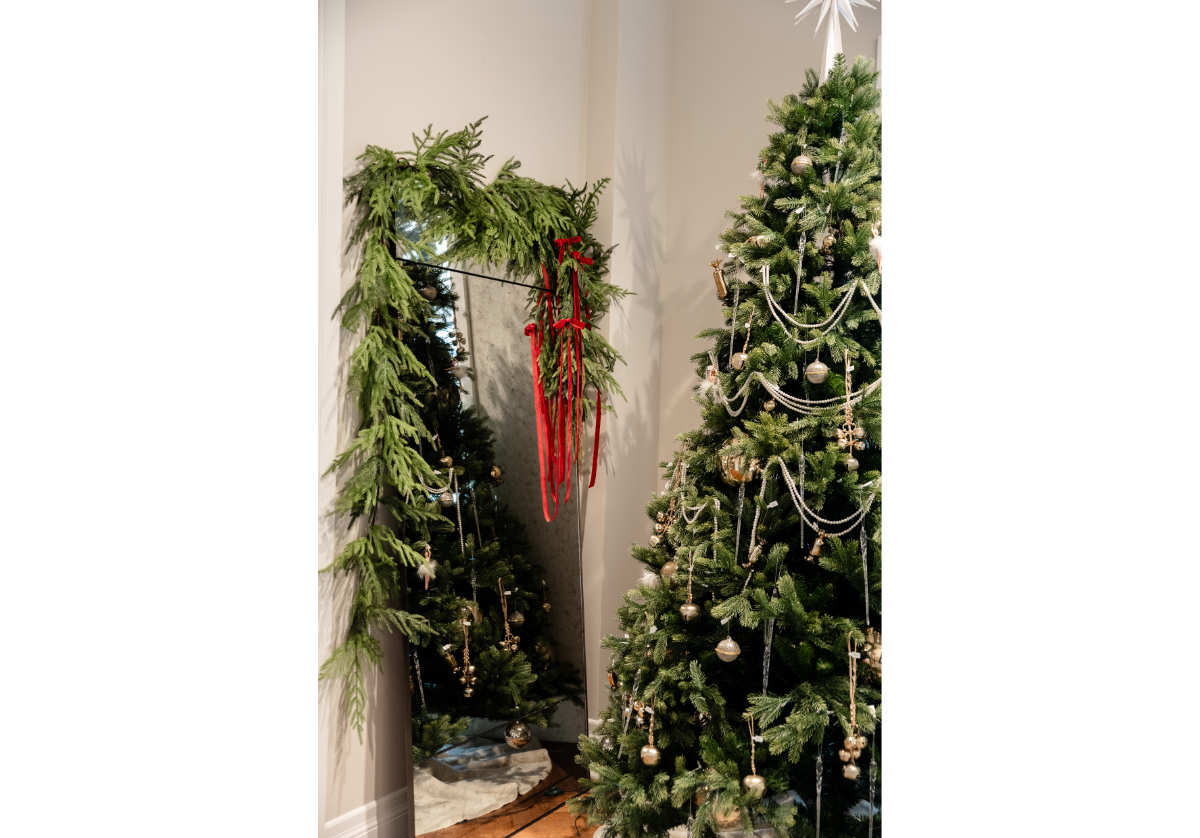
(473, 779)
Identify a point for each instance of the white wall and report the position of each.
(667, 97)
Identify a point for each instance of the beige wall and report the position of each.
(668, 98)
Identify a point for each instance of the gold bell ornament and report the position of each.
(668, 570)
(754, 784)
(650, 754)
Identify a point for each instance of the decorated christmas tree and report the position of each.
(490, 654)
(746, 683)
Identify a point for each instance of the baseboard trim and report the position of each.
(379, 818)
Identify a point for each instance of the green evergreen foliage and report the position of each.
(431, 203)
(809, 607)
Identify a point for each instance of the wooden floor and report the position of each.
(539, 813)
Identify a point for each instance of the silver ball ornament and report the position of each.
(650, 755)
(517, 734)
(816, 372)
(650, 579)
(728, 649)
(754, 785)
(800, 164)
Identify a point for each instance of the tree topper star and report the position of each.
(833, 34)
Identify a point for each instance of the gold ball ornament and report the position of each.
(850, 743)
(728, 650)
(516, 618)
(769, 405)
(650, 755)
(690, 611)
(429, 292)
(668, 570)
(496, 473)
(728, 818)
(828, 242)
(816, 372)
(850, 771)
(754, 785)
(800, 164)
(517, 734)
(860, 742)
(844, 755)
(739, 360)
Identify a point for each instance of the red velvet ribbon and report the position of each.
(559, 419)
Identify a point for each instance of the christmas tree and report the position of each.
(746, 682)
(489, 654)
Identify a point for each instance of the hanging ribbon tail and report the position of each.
(596, 443)
(539, 411)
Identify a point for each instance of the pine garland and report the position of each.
(429, 203)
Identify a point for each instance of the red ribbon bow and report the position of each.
(559, 418)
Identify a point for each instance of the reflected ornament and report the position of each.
(816, 372)
(728, 818)
(517, 734)
(650, 755)
(429, 292)
(800, 164)
(754, 785)
(728, 649)
(737, 468)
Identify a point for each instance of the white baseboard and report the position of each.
(384, 817)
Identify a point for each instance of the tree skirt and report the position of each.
(477, 777)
